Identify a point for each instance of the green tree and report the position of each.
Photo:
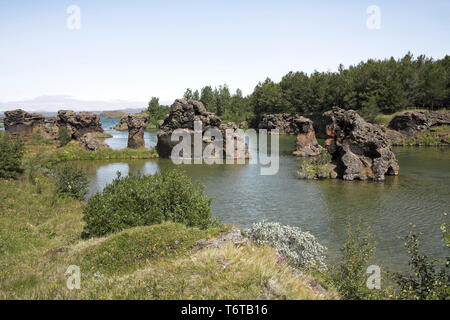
(11, 154)
(188, 94)
(207, 98)
(156, 111)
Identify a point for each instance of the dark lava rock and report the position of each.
(19, 123)
(136, 124)
(90, 142)
(306, 144)
(182, 115)
(122, 124)
(78, 124)
(359, 149)
(284, 122)
(411, 122)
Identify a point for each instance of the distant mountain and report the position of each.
(51, 104)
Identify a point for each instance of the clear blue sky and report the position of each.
(132, 50)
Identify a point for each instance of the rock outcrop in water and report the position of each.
(122, 124)
(19, 123)
(78, 124)
(411, 122)
(182, 115)
(306, 144)
(284, 122)
(359, 149)
(136, 124)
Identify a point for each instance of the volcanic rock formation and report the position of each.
(284, 122)
(19, 123)
(182, 115)
(306, 144)
(122, 124)
(136, 124)
(78, 124)
(90, 142)
(359, 149)
(411, 122)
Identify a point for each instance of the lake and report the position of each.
(419, 195)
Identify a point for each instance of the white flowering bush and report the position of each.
(300, 248)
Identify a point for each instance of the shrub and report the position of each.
(318, 167)
(37, 139)
(70, 181)
(430, 278)
(144, 200)
(63, 136)
(34, 165)
(11, 154)
(300, 248)
(349, 277)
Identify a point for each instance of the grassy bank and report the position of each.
(73, 151)
(436, 136)
(40, 236)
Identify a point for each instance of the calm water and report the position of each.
(242, 196)
(120, 138)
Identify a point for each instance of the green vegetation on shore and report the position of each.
(115, 114)
(11, 153)
(436, 136)
(144, 200)
(318, 167)
(73, 151)
(40, 237)
(42, 221)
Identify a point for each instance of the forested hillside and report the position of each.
(371, 87)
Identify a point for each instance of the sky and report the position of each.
(125, 52)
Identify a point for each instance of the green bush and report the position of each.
(429, 278)
(318, 167)
(144, 200)
(11, 154)
(63, 136)
(349, 277)
(70, 181)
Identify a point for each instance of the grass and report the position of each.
(432, 137)
(103, 135)
(73, 151)
(40, 236)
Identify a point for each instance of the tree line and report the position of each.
(371, 87)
